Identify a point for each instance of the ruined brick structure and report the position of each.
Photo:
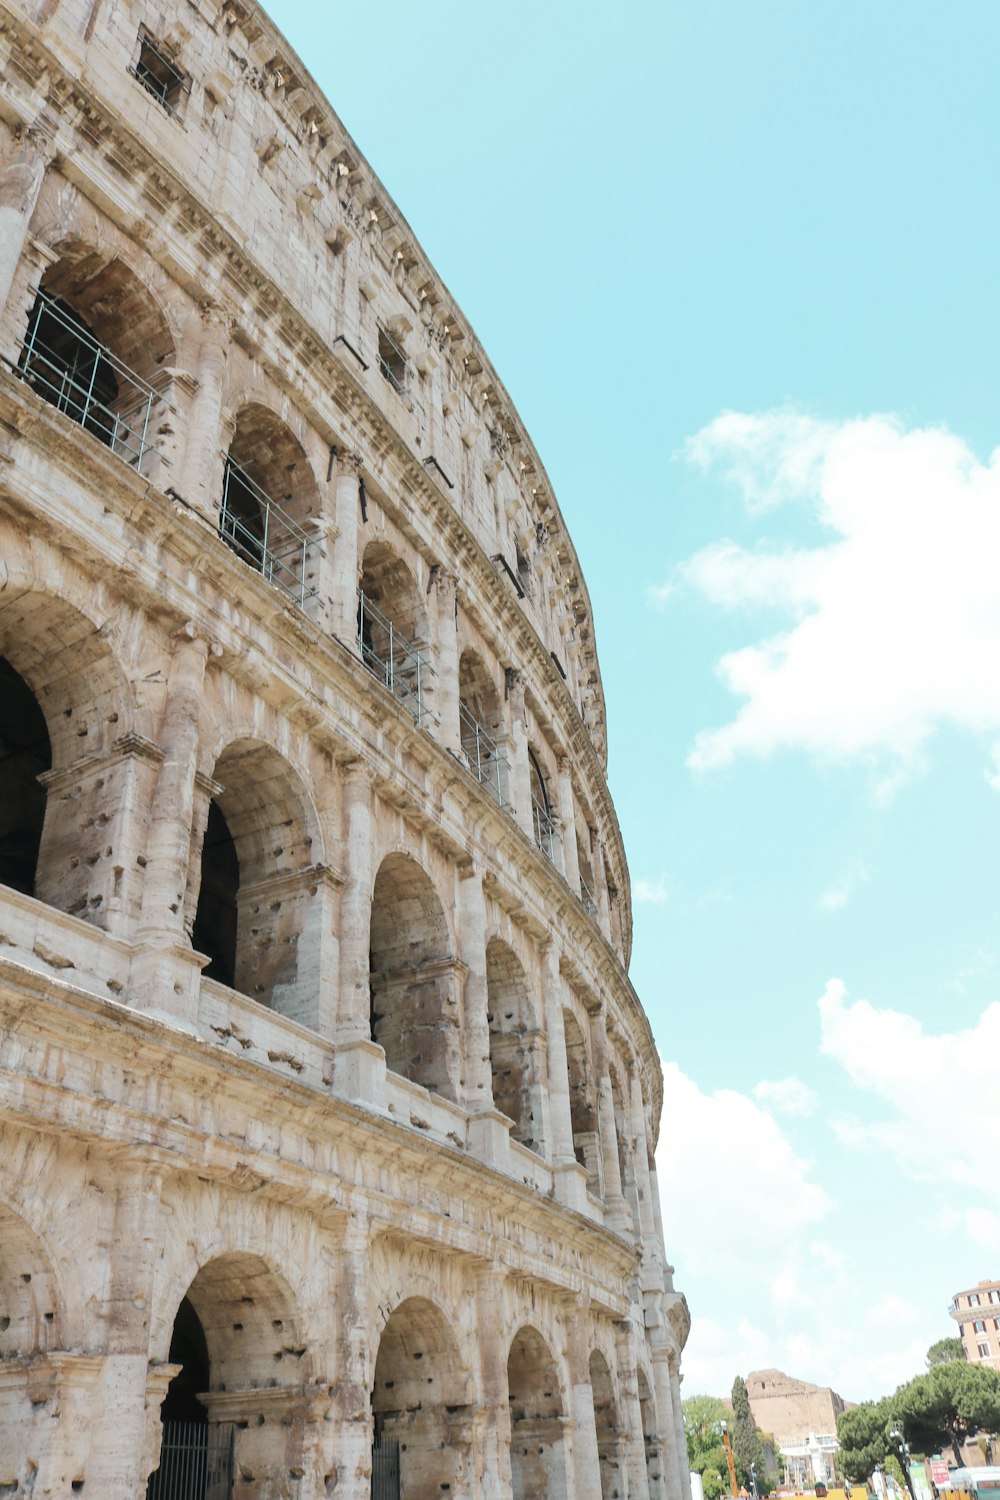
(327, 1110)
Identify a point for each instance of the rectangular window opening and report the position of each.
(392, 362)
(158, 75)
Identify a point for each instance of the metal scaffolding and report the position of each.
(264, 535)
(484, 756)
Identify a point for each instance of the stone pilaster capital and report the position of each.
(191, 636)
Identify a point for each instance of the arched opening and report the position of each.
(621, 1138)
(650, 1440)
(392, 628)
(217, 917)
(588, 888)
(25, 754)
(481, 725)
(269, 495)
(543, 818)
(236, 1405)
(415, 1014)
(420, 1403)
(97, 348)
(607, 1425)
(67, 830)
(258, 909)
(30, 1328)
(582, 1106)
(514, 1042)
(537, 1456)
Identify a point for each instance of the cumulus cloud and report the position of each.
(744, 1215)
(893, 623)
(893, 1059)
(837, 895)
(651, 892)
(786, 1096)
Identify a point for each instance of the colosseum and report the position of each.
(327, 1109)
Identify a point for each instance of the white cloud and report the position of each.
(786, 1096)
(895, 626)
(651, 892)
(939, 1094)
(983, 1228)
(837, 895)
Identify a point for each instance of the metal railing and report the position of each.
(392, 362)
(588, 898)
(385, 1470)
(393, 659)
(546, 831)
(485, 758)
(68, 379)
(158, 75)
(264, 535)
(196, 1462)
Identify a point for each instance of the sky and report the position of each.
(735, 261)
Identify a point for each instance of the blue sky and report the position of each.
(735, 263)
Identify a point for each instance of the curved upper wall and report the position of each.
(318, 221)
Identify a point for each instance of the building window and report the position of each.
(973, 1299)
(979, 1325)
(984, 1350)
(392, 362)
(993, 1296)
(996, 1324)
(157, 74)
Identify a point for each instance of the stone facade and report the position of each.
(802, 1419)
(327, 1110)
(977, 1313)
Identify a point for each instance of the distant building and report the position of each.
(977, 1313)
(803, 1421)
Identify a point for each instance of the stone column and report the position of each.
(448, 727)
(21, 179)
(359, 1063)
(200, 476)
(607, 1125)
(161, 937)
(347, 551)
(666, 1427)
(570, 1179)
(633, 1438)
(472, 951)
(567, 819)
(586, 1459)
(351, 1437)
(683, 1466)
(491, 1428)
(601, 890)
(520, 774)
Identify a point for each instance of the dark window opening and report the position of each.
(242, 521)
(69, 368)
(25, 753)
(158, 75)
(392, 361)
(189, 1349)
(523, 568)
(215, 921)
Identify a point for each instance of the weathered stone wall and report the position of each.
(327, 1109)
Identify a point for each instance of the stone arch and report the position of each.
(70, 772)
(31, 1328)
(515, 1043)
(420, 1401)
(269, 497)
(392, 627)
(258, 910)
(245, 1364)
(99, 347)
(607, 1426)
(31, 1304)
(650, 1440)
(415, 1011)
(582, 1103)
(537, 1417)
(481, 724)
(543, 815)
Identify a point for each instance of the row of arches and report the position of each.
(247, 1375)
(254, 902)
(93, 327)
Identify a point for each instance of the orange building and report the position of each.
(977, 1313)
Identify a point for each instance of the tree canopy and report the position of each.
(949, 1404)
(944, 1351)
(703, 1419)
(745, 1437)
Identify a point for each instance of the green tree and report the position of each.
(863, 1434)
(949, 1404)
(748, 1450)
(703, 1419)
(944, 1351)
